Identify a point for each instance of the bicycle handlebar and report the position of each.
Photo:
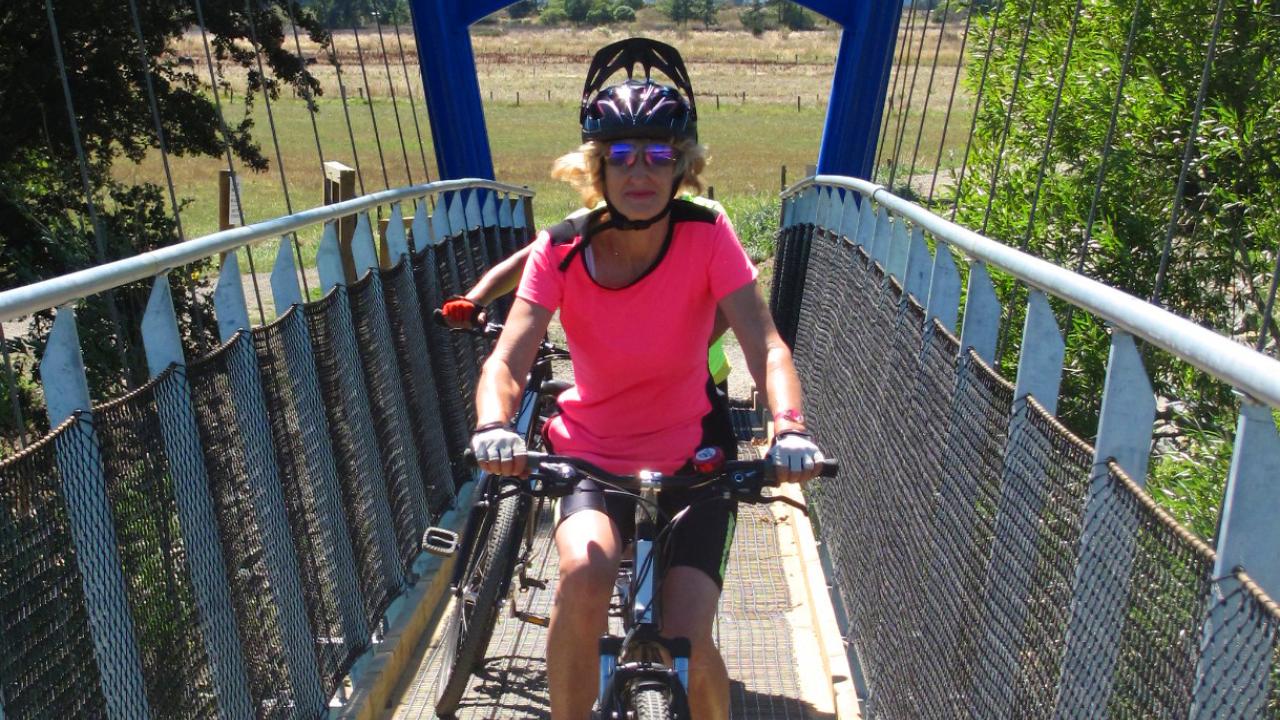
(558, 475)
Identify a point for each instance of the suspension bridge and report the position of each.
(236, 530)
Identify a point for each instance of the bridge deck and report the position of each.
(764, 630)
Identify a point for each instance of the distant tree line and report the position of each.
(757, 16)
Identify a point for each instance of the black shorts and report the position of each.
(704, 536)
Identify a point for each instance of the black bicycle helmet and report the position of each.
(641, 109)
(638, 108)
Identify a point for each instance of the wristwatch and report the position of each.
(791, 415)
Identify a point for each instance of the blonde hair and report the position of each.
(584, 169)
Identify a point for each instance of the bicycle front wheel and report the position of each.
(650, 703)
(472, 612)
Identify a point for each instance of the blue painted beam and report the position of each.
(857, 89)
(452, 88)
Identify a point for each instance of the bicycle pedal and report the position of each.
(527, 582)
(440, 542)
(532, 618)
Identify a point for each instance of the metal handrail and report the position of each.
(57, 291)
(1247, 370)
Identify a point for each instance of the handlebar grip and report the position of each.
(830, 467)
(438, 316)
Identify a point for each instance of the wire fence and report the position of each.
(991, 563)
(240, 523)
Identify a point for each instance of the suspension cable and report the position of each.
(904, 120)
(1053, 121)
(226, 140)
(946, 121)
(346, 110)
(933, 71)
(977, 104)
(373, 117)
(312, 108)
(1008, 114)
(894, 80)
(395, 106)
(1180, 191)
(99, 234)
(1082, 253)
(1107, 143)
(412, 105)
(275, 138)
(164, 149)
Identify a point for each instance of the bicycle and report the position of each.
(488, 550)
(635, 681)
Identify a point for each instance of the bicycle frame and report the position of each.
(639, 649)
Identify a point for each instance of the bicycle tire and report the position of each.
(649, 703)
(470, 623)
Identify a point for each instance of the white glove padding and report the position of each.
(497, 445)
(795, 453)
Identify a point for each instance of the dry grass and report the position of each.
(519, 70)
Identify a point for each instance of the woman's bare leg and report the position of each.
(590, 549)
(690, 599)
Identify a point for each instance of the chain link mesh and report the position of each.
(405, 491)
(958, 530)
(435, 281)
(416, 377)
(154, 555)
(355, 450)
(47, 666)
(227, 464)
(305, 458)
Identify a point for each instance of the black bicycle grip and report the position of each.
(829, 468)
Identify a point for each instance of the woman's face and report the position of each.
(638, 175)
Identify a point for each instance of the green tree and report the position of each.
(1225, 235)
(523, 9)
(576, 10)
(680, 11)
(707, 12)
(791, 15)
(45, 226)
(754, 18)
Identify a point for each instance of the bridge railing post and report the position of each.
(82, 474)
(272, 517)
(181, 437)
(1010, 573)
(1108, 534)
(1235, 671)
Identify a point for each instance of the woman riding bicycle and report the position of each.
(637, 284)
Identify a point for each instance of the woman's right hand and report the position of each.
(499, 451)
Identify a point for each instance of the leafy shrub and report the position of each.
(553, 16)
(624, 14)
(755, 218)
(600, 13)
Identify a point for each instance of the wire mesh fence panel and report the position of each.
(226, 462)
(417, 379)
(47, 661)
(447, 377)
(1242, 675)
(305, 458)
(355, 448)
(1168, 586)
(451, 282)
(153, 552)
(405, 491)
(472, 259)
(790, 260)
(1032, 568)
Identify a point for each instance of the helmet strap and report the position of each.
(621, 222)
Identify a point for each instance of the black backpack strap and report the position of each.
(579, 226)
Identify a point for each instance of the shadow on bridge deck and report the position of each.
(765, 632)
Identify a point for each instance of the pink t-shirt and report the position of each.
(639, 352)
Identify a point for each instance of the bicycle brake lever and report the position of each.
(802, 507)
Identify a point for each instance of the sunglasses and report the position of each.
(656, 155)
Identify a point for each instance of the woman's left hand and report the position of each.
(795, 457)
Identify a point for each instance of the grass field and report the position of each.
(530, 80)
